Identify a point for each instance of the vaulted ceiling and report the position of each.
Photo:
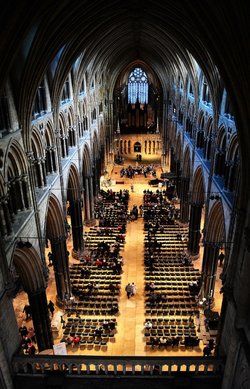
(114, 33)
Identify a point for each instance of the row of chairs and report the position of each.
(171, 277)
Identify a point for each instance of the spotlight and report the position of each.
(212, 197)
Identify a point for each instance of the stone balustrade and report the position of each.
(117, 366)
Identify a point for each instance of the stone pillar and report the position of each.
(40, 317)
(77, 226)
(194, 229)
(5, 374)
(209, 267)
(61, 268)
(91, 198)
(87, 212)
(44, 172)
(26, 191)
(5, 222)
(184, 200)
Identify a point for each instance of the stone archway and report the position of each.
(137, 147)
(29, 267)
(56, 233)
(213, 241)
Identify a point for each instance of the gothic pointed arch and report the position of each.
(29, 267)
(215, 237)
(220, 153)
(215, 228)
(50, 149)
(73, 187)
(39, 158)
(208, 138)
(198, 187)
(232, 165)
(56, 234)
(55, 225)
(200, 136)
(16, 177)
(86, 168)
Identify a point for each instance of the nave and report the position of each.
(128, 336)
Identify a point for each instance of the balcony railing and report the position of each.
(117, 366)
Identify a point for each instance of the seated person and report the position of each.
(148, 325)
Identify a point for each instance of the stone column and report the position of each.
(5, 373)
(77, 226)
(87, 212)
(61, 268)
(38, 172)
(5, 222)
(209, 267)
(194, 229)
(44, 171)
(91, 198)
(19, 182)
(184, 200)
(40, 317)
(26, 191)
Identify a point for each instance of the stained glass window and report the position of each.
(138, 87)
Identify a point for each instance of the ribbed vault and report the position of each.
(48, 36)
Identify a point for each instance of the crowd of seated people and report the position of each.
(131, 171)
(170, 332)
(170, 278)
(87, 332)
(96, 280)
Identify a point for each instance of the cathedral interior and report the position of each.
(124, 157)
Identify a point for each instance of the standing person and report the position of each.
(132, 188)
(23, 331)
(31, 334)
(133, 289)
(221, 258)
(128, 289)
(51, 307)
(27, 311)
(50, 258)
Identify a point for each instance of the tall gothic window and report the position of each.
(138, 87)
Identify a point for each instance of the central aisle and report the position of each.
(131, 318)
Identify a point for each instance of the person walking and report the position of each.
(51, 307)
(128, 289)
(133, 289)
(27, 310)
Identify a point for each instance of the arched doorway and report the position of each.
(137, 147)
